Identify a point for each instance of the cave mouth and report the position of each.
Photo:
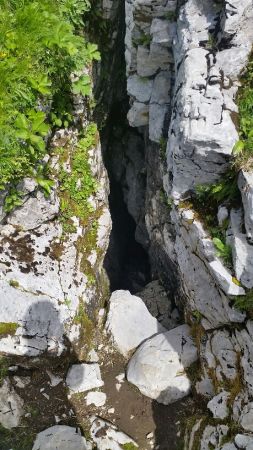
(126, 262)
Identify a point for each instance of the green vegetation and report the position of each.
(243, 149)
(3, 368)
(17, 438)
(143, 39)
(41, 46)
(87, 326)
(78, 185)
(223, 251)
(14, 283)
(244, 302)
(171, 16)
(129, 446)
(8, 328)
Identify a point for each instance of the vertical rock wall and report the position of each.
(184, 61)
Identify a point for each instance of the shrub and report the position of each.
(41, 45)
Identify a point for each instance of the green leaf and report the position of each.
(218, 244)
(238, 148)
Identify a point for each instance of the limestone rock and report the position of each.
(245, 183)
(140, 88)
(205, 387)
(126, 316)
(83, 377)
(213, 436)
(138, 114)
(246, 419)
(158, 304)
(107, 437)
(244, 441)
(158, 367)
(35, 211)
(96, 398)
(242, 250)
(11, 406)
(218, 405)
(61, 437)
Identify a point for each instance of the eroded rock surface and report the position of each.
(158, 366)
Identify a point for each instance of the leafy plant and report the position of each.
(243, 149)
(244, 302)
(223, 251)
(41, 45)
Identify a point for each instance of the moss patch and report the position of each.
(87, 328)
(129, 446)
(78, 184)
(8, 328)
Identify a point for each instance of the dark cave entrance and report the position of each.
(126, 262)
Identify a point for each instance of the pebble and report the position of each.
(111, 410)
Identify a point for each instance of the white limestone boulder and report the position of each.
(83, 377)
(130, 322)
(158, 366)
(107, 437)
(61, 437)
(11, 406)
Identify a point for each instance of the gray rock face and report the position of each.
(11, 406)
(245, 183)
(83, 377)
(242, 250)
(107, 437)
(42, 278)
(246, 419)
(152, 61)
(35, 211)
(61, 437)
(158, 304)
(126, 316)
(158, 366)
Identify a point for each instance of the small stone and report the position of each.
(46, 395)
(111, 411)
(96, 398)
(120, 377)
(92, 356)
(54, 379)
(150, 435)
(218, 405)
(83, 377)
(107, 436)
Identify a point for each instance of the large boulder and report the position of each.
(158, 366)
(60, 437)
(129, 321)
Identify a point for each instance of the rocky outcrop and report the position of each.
(183, 66)
(51, 264)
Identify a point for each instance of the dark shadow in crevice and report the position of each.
(126, 262)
